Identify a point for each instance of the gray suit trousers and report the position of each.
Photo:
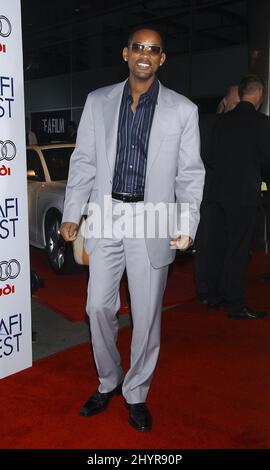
(146, 286)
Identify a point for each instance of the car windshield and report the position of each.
(57, 160)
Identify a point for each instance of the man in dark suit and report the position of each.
(206, 124)
(240, 148)
(266, 208)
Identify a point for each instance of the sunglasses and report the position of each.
(137, 48)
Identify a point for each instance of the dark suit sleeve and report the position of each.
(264, 149)
(207, 122)
(207, 126)
(213, 146)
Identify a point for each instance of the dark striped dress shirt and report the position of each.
(133, 139)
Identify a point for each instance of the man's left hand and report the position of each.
(182, 242)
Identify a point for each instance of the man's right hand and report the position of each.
(69, 231)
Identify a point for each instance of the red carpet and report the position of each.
(211, 390)
(67, 294)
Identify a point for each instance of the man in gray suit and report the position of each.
(137, 146)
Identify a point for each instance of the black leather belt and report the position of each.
(128, 197)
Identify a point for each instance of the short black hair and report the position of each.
(151, 28)
(249, 84)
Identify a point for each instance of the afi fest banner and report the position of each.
(15, 304)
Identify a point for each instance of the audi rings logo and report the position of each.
(7, 150)
(9, 269)
(5, 26)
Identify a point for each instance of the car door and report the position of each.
(35, 180)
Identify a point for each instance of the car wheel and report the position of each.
(60, 253)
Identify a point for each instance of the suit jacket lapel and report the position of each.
(111, 110)
(160, 128)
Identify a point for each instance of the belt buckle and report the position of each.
(129, 197)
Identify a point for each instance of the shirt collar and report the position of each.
(150, 95)
(245, 106)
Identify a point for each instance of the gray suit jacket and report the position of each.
(175, 171)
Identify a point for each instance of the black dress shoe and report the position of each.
(139, 416)
(202, 299)
(213, 305)
(99, 401)
(247, 313)
(216, 305)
